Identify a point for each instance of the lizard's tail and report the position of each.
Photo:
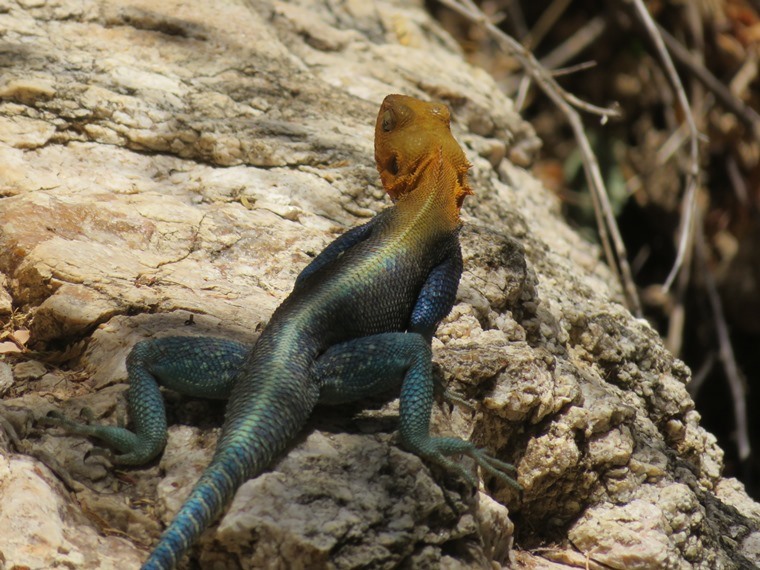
(208, 498)
(254, 433)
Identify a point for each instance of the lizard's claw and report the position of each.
(456, 400)
(100, 452)
(437, 449)
(52, 418)
(499, 469)
(57, 419)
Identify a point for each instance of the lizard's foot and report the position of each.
(441, 391)
(132, 448)
(55, 418)
(454, 399)
(437, 450)
(102, 453)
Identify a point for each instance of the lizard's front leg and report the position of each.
(373, 364)
(201, 367)
(438, 295)
(337, 248)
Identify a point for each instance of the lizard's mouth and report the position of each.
(392, 164)
(389, 177)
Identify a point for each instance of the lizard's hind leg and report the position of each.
(202, 367)
(369, 365)
(363, 367)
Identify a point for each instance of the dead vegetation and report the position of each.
(649, 116)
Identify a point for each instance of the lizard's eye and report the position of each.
(389, 121)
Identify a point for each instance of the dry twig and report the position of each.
(570, 69)
(516, 16)
(689, 204)
(745, 113)
(726, 352)
(567, 103)
(575, 44)
(545, 22)
(700, 375)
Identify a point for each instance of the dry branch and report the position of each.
(692, 175)
(726, 352)
(567, 102)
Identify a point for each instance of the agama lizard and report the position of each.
(359, 321)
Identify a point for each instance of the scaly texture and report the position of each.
(359, 321)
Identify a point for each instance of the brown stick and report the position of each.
(566, 101)
(689, 203)
(726, 352)
(575, 44)
(745, 113)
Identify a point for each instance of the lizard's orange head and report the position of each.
(409, 135)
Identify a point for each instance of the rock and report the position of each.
(49, 529)
(29, 370)
(327, 504)
(6, 378)
(6, 301)
(170, 168)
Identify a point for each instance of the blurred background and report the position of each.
(601, 52)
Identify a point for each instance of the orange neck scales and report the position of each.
(417, 155)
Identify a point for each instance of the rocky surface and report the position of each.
(169, 168)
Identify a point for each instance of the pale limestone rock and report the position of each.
(29, 370)
(49, 530)
(6, 378)
(6, 301)
(632, 536)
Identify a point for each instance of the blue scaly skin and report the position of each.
(358, 322)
